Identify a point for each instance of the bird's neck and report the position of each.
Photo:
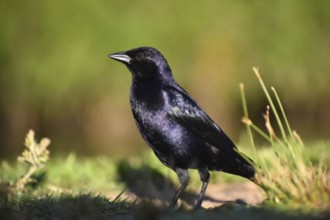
(146, 86)
(145, 96)
(150, 90)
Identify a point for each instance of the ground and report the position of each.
(216, 195)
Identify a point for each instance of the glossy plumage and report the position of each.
(178, 130)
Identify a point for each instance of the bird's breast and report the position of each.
(151, 115)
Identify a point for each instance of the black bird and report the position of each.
(177, 129)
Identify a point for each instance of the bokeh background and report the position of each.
(56, 78)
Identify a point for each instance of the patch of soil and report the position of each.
(246, 193)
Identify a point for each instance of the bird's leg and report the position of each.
(205, 178)
(184, 180)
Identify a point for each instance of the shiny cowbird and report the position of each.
(177, 129)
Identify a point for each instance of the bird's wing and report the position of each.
(185, 111)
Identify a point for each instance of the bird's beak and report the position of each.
(121, 57)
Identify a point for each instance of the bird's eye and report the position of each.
(140, 55)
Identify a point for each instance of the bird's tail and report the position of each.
(241, 165)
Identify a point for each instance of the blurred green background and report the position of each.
(56, 78)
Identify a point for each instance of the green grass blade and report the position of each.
(256, 71)
(283, 112)
(246, 114)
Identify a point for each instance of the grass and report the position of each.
(74, 186)
(291, 179)
(293, 175)
(67, 206)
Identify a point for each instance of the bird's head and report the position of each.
(145, 63)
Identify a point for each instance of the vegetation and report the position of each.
(289, 178)
(35, 156)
